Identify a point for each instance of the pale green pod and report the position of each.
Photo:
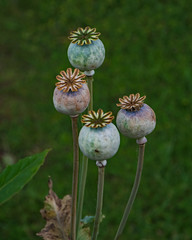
(86, 57)
(136, 124)
(99, 143)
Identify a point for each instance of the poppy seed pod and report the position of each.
(86, 51)
(135, 119)
(99, 139)
(71, 95)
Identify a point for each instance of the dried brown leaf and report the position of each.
(57, 213)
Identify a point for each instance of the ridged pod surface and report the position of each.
(86, 57)
(99, 143)
(71, 103)
(136, 124)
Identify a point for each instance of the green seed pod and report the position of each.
(99, 139)
(71, 95)
(135, 119)
(86, 51)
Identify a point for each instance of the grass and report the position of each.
(148, 50)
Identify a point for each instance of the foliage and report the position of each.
(148, 50)
(14, 177)
(57, 213)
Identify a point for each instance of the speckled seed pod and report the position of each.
(86, 51)
(99, 139)
(135, 119)
(71, 95)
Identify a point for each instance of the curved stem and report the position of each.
(75, 176)
(133, 192)
(100, 188)
(84, 166)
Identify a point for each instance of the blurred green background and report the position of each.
(148, 50)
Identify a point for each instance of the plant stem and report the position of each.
(90, 85)
(75, 176)
(84, 166)
(133, 192)
(100, 187)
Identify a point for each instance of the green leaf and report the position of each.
(84, 234)
(14, 177)
(88, 219)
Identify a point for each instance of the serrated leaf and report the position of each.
(13, 178)
(57, 213)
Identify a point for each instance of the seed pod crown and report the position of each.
(70, 80)
(97, 119)
(131, 103)
(84, 36)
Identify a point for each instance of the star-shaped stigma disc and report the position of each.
(97, 119)
(70, 80)
(84, 36)
(131, 103)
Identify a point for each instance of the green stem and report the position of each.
(133, 192)
(75, 176)
(100, 187)
(84, 165)
(90, 85)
